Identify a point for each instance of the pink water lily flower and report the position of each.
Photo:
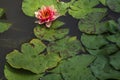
(46, 15)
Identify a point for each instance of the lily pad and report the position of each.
(4, 26)
(102, 69)
(104, 2)
(114, 38)
(92, 24)
(66, 47)
(1, 12)
(80, 10)
(114, 5)
(108, 49)
(115, 60)
(13, 74)
(30, 6)
(52, 77)
(76, 68)
(30, 58)
(93, 41)
(51, 34)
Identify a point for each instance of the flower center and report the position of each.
(46, 14)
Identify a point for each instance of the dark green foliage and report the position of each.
(60, 57)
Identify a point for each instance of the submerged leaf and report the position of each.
(13, 74)
(67, 47)
(30, 58)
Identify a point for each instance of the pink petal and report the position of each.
(39, 22)
(48, 24)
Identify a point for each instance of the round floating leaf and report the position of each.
(30, 6)
(4, 26)
(67, 47)
(115, 60)
(92, 24)
(103, 70)
(108, 49)
(13, 74)
(114, 38)
(30, 58)
(76, 68)
(1, 12)
(103, 2)
(80, 10)
(93, 41)
(50, 34)
(52, 77)
(114, 5)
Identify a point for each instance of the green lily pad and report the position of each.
(1, 12)
(4, 26)
(115, 60)
(51, 34)
(113, 27)
(92, 25)
(114, 38)
(114, 5)
(13, 74)
(80, 10)
(52, 77)
(30, 6)
(102, 69)
(108, 49)
(104, 2)
(93, 41)
(76, 68)
(30, 58)
(66, 47)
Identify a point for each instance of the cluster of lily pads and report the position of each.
(54, 55)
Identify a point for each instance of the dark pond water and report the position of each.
(21, 30)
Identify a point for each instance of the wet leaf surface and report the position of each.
(29, 7)
(102, 69)
(76, 68)
(114, 5)
(66, 47)
(93, 41)
(13, 74)
(30, 58)
(51, 34)
(115, 60)
(79, 9)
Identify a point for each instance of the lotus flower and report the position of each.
(46, 15)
